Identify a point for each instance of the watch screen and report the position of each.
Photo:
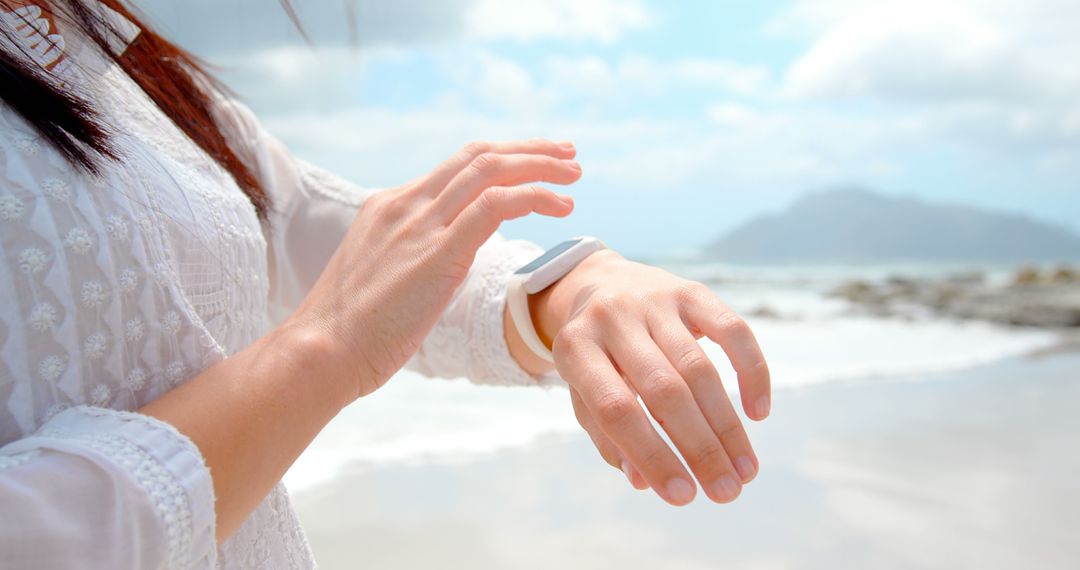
(548, 256)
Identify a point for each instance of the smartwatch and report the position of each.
(539, 274)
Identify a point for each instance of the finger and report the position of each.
(480, 220)
(492, 169)
(669, 399)
(608, 450)
(445, 172)
(703, 312)
(619, 415)
(690, 361)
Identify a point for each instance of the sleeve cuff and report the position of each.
(331, 187)
(492, 361)
(163, 462)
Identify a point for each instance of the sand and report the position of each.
(975, 469)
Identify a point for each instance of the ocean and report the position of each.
(809, 337)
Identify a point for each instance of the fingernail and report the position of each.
(680, 490)
(565, 145)
(761, 410)
(725, 489)
(626, 471)
(568, 200)
(573, 164)
(745, 468)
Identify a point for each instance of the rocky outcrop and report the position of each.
(1033, 298)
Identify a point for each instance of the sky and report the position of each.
(690, 117)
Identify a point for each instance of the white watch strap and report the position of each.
(517, 300)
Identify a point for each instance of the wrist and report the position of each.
(317, 356)
(552, 308)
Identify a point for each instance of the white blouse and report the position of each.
(117, 288)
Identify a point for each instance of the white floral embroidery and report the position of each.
(129, 280)
(28, 147)
(43, 317)
(162, 274)
(79, 242)
(117, 228)
(100, 395)
(95, 345)
(56, 189)
(52, 367)
(171, 322)
(93, 294)
(102, 278)
(12, 461)
(11, 208)
(444, 339)
(161, 485)
(134, 329)
(174, 372)
(54, 410)
(135, 379)
(32, 260)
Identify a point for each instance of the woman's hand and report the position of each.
(252, 414)
(411, 247)
(624, 329)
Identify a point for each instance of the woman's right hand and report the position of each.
(410, 247)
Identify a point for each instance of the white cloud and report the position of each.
(739, 78)
(636, 76)
(637, 156)
(995, 76)
(499, 83)
(589, 75)
(601, 20)
(728, 114)
(398, 145)
(214, 28)
(294, 65)
(923, 50)
(882, 91)
(290, 78)
(588, 85)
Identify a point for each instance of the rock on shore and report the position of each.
(1043, 298)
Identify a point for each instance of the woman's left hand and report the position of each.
(623, 329)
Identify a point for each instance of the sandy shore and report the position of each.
(977, 469)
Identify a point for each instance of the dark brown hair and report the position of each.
(174, 79)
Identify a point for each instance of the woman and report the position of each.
(185, 306)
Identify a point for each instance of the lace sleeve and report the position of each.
(313, 209)
(96, 488)
(469, 338)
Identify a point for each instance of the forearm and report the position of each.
(254, 413)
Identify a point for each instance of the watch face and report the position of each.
(548, 256)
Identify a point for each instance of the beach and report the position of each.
(974, 468)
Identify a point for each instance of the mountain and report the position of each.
(855, 225)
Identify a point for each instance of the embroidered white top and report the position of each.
(119, 287)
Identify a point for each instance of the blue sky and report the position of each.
(690, 117)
